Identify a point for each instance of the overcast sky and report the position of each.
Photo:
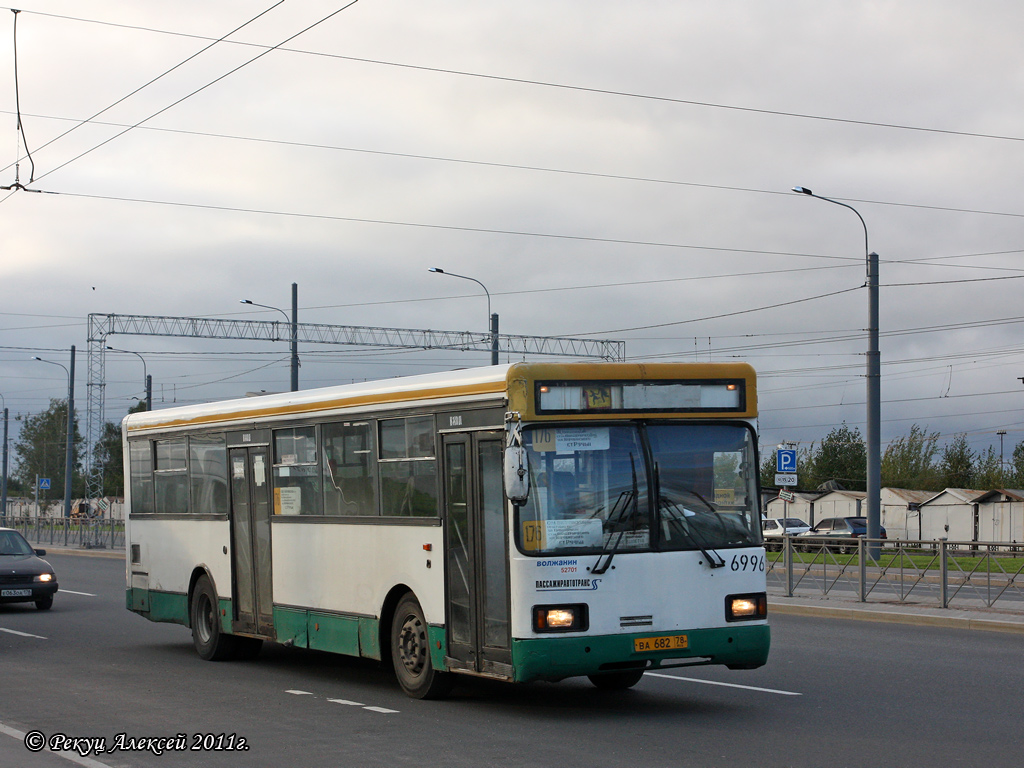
(608, 169)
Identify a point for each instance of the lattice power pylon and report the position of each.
(102, 326)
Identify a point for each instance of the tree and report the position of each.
(841, 457)
(988, 470)
(1016, 479)
(956, 468)
(909, 462)
(41, 450)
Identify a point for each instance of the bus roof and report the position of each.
(466, 385)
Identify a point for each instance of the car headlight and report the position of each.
(43, 577)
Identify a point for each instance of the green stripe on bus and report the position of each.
(171, 607)
(338, 634)
(557, 657)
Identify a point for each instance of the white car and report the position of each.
(774, 528)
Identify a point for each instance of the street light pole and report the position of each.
(874, 380)
(3, 489)
(70, 446)
(492, 318)
(293, 323)
(1001, 433)
(147, 380)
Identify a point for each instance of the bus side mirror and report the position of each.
(517, 474)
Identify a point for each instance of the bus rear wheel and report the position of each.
(211, 644)
(617, 681)
(410, 652)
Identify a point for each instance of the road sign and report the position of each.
(785, 460)
(44, 483)
(785, 479)
(787, 495)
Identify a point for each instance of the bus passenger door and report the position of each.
(251, 588)
(476, 554)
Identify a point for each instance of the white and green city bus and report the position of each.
(522, 522)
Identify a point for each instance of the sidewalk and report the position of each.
(921, 614)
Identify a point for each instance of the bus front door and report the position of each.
(253, 599)
(477, 560)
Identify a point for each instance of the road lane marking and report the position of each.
(299, 693)
(85, 762)
(724, 685)
(22, 634)
(350, 703)
(70, 592)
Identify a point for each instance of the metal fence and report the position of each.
(84, 533)
(942, 573)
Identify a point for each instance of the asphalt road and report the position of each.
(834, 693)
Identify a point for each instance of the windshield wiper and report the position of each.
(627, 500)
(714, 559)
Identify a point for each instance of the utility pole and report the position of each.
(3, 491)
(295, 337)
(69, 451)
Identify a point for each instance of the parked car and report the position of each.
(24, 576)
(774, 528)
(845, 530)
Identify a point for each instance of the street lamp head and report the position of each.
(436, 269)
(802, 191)
(244, 301)
(39, 359)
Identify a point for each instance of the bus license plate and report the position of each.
(15, 593)
(665, 643)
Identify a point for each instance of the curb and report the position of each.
(890, 617)
(111, 554)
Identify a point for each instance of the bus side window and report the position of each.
(408, 467)
(348, 469)
(297, 481)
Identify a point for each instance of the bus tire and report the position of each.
(210, 642)
(617, 681)
(410, 653)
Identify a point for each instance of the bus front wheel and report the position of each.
(211, 644)
(410, 652)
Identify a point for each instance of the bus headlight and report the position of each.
(560, 618)
(752, 607)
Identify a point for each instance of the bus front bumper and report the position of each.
(558, 657)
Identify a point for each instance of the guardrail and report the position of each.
(84, 532)
(968, 573)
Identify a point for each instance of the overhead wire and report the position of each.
(266, 51)
(526, 167)
(92, 119)
(584, 89)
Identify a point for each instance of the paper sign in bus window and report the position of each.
(568, 440)
(561, 534)
(287, 501)
(259, 471)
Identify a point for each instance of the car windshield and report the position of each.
(592, 488)
(857, 522)
(13, 543)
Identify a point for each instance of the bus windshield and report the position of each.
(592, 488)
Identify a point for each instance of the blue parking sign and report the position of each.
(785, 460)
